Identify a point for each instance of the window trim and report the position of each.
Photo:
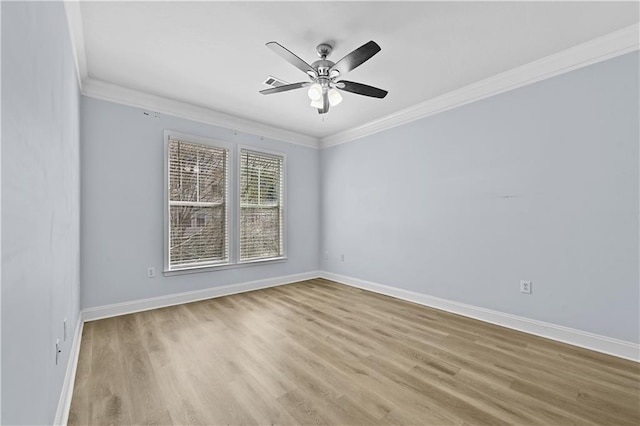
(170, 135)
(233, 201)
(237, 206)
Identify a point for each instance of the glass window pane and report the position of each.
(261, 205)
(198, 188)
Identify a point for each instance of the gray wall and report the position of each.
(540, 183)
(123, 205)
(40, 207)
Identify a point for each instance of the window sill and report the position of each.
(212, 268)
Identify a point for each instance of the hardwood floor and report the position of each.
(317, 352)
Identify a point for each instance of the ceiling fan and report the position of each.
(324, 74)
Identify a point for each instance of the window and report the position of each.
(261, 205)
(224, 204)
(198, 204)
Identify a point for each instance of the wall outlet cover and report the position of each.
(525, 286)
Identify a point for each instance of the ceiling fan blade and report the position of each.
(292, 58)
(361, 89)
(356, 58)
(325, 104)
(285, 87)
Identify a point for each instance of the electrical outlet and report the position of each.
(525, 287)
(342, 258)
(151, 272)
(326, 255)
(58, 350)
(64, 330)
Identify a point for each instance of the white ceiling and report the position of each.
(213, 54)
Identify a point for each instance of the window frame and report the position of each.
(177, 136)
(238, 207)
(233, 205)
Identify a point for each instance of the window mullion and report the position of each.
(197, 176)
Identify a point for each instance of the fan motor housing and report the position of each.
(323, 66)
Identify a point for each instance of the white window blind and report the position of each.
(198, 204)
(261, 205)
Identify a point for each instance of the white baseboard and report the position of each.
(116, 309)
(607, 345)
(64, 403)
(571, 336)
(91, 314)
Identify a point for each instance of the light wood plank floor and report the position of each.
(317, 352)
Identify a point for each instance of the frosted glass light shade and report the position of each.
(317, 103)
(334, 97)
(315, 92)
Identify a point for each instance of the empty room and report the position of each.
(332, 212)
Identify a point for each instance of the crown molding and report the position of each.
(122, 95)
(599, 49)
(76, 33)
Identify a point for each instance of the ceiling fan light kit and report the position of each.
(323, 73)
